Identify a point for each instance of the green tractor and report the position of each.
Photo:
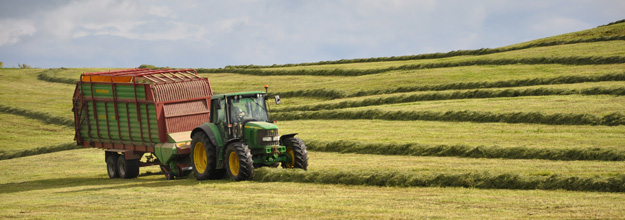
(240, 137)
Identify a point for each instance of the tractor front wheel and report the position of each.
(240, 165)
(296, 152)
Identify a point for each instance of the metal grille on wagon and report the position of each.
(266, 133)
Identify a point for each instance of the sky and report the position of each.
(214, 34)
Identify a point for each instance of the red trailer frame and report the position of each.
(181, 98)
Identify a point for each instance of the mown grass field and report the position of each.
(532, 130)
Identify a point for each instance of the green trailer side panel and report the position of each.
(126, 125)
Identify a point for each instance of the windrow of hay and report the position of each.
(574, 60)
(482, 180)
(474, 94)
(41, 116)
(416, 149)
(612, 119)
(4, 155)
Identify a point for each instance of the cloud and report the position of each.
(13, 30)
(190, 33)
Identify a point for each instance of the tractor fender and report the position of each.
(206, 129)
(286, 136)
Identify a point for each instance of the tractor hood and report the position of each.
(259, 125)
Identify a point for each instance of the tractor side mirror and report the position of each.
(277, 99)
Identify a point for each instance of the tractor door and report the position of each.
(219, 118)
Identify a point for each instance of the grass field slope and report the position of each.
(530, 130)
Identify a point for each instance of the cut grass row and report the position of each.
(482, 180)
(23, 136)
(37, 115)
(471, 77)
(21, 89)
(612, 119)
(52, 75)
(473, 94)
(436, 133)
(599, 105)
(65, 191)
(416, 149)
(459, 63)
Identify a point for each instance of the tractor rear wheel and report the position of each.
(240, 165)
(111, 165)
(204, 158)
(128, 169)
(296, 151)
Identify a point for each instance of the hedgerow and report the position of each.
(415, 149)
(482, 51)
(455, 95)
(612, 119)
(481, 180)
(4, 155)
(41, 116)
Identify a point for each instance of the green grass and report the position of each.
(598, 32)
(63, 191)
(458, 133)
(21, 133)
(569, 104)
(229, 82)
(329, 162)
(21, 89)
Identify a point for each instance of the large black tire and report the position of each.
(296, 149)
(239, 163)
(128, 169)
(111, 166)
(204, 158)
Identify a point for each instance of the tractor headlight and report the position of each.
(276, 138)
(267, 139)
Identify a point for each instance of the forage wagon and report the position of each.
(171, 118)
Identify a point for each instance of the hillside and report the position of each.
(530, 130)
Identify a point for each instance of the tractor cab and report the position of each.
(231, 112)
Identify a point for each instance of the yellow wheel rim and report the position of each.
(199, 157)
(292, 154)
(233, 161)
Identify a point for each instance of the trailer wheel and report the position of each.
(240, 165)
(204, 158)
(128, 169)
(296, 151)
(111, 165)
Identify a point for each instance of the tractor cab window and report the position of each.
(248, 109)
